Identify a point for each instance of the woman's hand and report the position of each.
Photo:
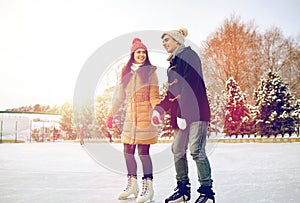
(157, 118)
(109, 122)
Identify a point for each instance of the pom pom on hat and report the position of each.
(178, 35)
(183, 31)
(136, 40)
(137, 44)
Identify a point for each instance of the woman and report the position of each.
(139, 88)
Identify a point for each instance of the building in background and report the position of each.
(29, 127)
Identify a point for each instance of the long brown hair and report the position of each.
(126, 71)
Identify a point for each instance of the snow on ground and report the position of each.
(67, 172)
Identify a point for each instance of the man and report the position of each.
(187, 102)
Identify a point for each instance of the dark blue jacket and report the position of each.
(186, 97)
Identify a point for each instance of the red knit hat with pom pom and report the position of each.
(137, 44)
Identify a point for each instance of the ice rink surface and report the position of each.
(68, 172)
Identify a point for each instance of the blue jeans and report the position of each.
(194, 136)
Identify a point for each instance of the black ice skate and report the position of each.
(182, 193)
(206, 195)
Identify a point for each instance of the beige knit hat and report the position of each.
(177, 35)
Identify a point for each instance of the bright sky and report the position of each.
(45, 43)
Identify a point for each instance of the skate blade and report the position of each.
(176, 201)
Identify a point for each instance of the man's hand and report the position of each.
(181, 122)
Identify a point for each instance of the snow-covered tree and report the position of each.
(85, 116)
(234, 51)
(166, 129)
(248, 125)
(66, 122)
(217, 106)
(296, 115)
(276, 106)
(103, 104)
(237, 114)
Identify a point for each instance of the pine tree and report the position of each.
(275, 105)
(217, 106)
(249, 121)
(296, 116)
(167, 130)
(236, 111)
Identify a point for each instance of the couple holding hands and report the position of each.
(186, 101)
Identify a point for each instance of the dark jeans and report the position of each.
(143, 150)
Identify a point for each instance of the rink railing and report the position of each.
(221, 138)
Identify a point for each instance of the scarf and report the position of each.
(179, 49)
(135, 66)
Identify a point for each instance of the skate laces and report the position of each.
(181, 190)
(144, 187)
(129, 183)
